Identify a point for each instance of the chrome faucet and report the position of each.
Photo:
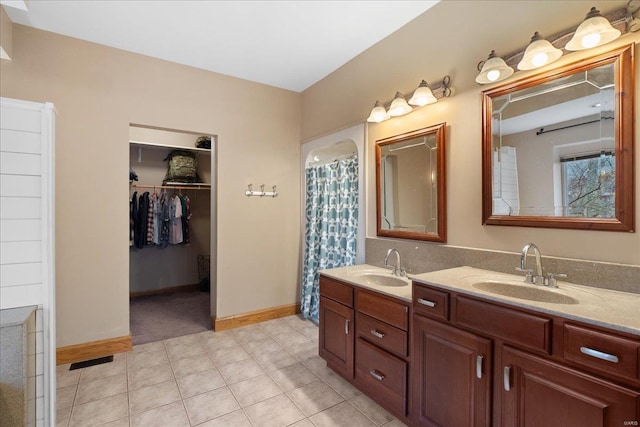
(538, 279)
(397, 269)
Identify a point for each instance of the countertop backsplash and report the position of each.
(419, 257)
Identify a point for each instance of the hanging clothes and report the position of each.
(133, 214)
(186, 216)
(149, 239)
(141, 224)
(165, 220)
(331, 225)
(175, 228)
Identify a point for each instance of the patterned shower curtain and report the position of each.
(331, 224)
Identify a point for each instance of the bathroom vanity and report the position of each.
(471, 347)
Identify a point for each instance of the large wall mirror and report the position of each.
(411, 192)
(558, 148)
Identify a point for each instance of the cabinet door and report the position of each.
(537, 392)
(451, 371)
(336, 336)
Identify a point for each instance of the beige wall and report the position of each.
(6, 33)
(98, 92)
(450, 39)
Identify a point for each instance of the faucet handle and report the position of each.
(528, 278)
(552, 281)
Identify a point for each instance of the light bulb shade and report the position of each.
(422, 95)
(399, 106)
(378, 113)
(539, 52)
(594, 31)
(493, 70)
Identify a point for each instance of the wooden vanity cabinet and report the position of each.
(536, 391)
(542, 374)
(336, 339)
(451, 375)
(364, 336)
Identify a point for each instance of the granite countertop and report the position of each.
(357, 276)
(602, 307)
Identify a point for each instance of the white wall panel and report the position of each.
(20, 185)
(20, 274)
(20, 296)
(20, 164)
(20, 207)
(19, 252)
(20, 119)
(19, 142)
(15, 230)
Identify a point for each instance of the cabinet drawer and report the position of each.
(385, 309)
(337, 291)
(527, 330)
(384, 376)
(601, 351)
(382, 334)
(430, 302)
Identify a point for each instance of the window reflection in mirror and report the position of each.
(411, 185)
(558, 147)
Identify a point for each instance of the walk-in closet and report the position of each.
(171, 201)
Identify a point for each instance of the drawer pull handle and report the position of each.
(375, 374)
(507, 378)
(426, 302)
(377, 334)
(599, 354)
(346, 326)
(479, 359)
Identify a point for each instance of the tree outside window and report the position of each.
(589, 185)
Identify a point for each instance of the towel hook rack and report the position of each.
(251, 192)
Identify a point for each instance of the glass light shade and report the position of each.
(493, 70)
(378, 113)
(594, 31)
(422, 95)
(539, 52)
(399, 106)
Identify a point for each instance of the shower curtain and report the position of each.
(331, 225)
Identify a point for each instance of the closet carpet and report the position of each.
(163, 316)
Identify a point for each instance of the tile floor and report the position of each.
(267, 374)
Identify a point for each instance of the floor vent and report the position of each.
(92, 362)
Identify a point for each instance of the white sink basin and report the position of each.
(380, 279)
(524, 291)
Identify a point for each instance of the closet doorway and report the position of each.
(172, 236)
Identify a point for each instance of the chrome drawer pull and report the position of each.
(377, 334)
(479, 366)
(507, 378)
(346, 327)
(599, 355)
(426, 302)
(376, 375)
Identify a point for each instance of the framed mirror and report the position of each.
(410, 185)
(558, 149)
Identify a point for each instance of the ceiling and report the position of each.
(287, 44)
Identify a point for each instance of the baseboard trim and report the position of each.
(244, 319)
(92, 350)
(182, 288)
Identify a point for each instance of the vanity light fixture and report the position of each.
(399, 106)
(378, 113)
(494, 69)
(424, 94)
(539, 53)
(594, 31)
